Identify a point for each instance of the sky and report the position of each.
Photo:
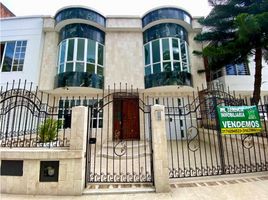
(105, 7)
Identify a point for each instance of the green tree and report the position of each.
(234, 30)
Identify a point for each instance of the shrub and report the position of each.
(48, 130)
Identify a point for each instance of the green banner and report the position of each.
(239, 119)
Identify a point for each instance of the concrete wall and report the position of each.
(124, 53)
(30, 29)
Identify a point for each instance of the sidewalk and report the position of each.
(238, 187)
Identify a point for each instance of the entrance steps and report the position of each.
(118, 188)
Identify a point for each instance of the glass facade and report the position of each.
(80, 13)
(83, 31)
(166, 13)
(166, 55)
(165, 30)
(81, 55)
(12, 55)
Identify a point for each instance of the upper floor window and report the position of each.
(81, 55)
(165, 55)
(237, 69)
(12, 55)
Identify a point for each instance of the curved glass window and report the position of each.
(82, 30)
(165, 30)
(166, 13)
(166, 55)
(81, 55)
(80, 13)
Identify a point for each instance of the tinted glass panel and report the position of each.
(61, 68)
(91, 49)
(165, 49)
(166, 13)
(100, 54)
(147, 70)
(69, 67)
(165, 30)
(156, 68)
(2, 47)
(80, 13)
(177, 66)
(90, 68)
(80, 49)
(100, 70)
(79, 67)
(63, 50)
(175, 48)
(167, 66)
(156, 51)
(147, 54)
(70, 53)
(82, 31)
(7, 64)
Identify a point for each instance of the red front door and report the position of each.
(126, 118)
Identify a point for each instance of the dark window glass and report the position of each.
(7, 64)
(156, 68)
(91, 49)
(100, 70)
(147, 54)
(177, 66)
(2, 48)
(230, 70)
(63, 50)
(82, 31)
(91, 68)
(156, 51)
(167, 66)
(165, 30)
(175, 48)
(147, 70)
(100, 54)
(166, 13)
(69, 67)
(80, 49)
(165, 49)
(80, 13)
(79, 67)
(70, 53)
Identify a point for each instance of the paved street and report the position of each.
(238, 187)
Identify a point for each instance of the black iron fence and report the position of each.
(29, 118)
(197, 147)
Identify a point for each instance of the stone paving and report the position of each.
(237, 187)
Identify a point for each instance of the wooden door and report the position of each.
(126, 118)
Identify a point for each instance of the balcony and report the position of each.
(79, 79)
(168, 78)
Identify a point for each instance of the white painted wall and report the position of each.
(24, 28)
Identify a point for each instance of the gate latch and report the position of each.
(92, 141)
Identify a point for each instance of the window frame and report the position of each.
(20, 60)
(171, 60)
(85, 60)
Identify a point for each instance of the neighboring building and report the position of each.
(5, 12)
(21, 49)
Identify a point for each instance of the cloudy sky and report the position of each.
(105, 7)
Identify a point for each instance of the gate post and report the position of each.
(160, 154)
(78, 142)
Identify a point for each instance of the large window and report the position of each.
(12, 55)
(65, 108)
(237, 69)
(81, 55)
(165, 55)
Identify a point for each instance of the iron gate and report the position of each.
(195, 144)
(114, 154)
